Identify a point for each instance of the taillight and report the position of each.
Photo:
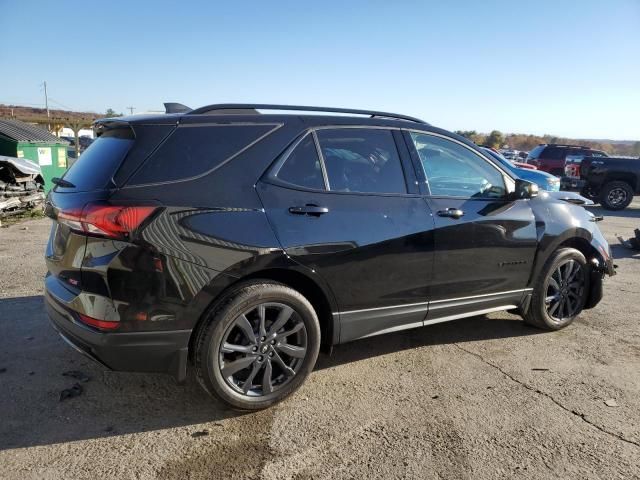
(99, 324)
(113, 221)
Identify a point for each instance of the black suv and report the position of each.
(239, 243)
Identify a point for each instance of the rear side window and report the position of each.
(95, 167)
(194, 150)
(302, 167)
(361, 160)
(553, 153)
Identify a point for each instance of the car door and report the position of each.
(339, 202)
(484, 241)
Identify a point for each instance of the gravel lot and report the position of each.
(485, 397)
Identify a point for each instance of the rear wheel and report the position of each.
(258, 346)
(616, 195)
(560, 292)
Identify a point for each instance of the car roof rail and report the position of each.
(567, 145)
(245, 108)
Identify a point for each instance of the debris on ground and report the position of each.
(74, 391)
(2, 370)
(634, 242)
(78, 375)
(200, 433)
(610, 402)
(540, 369)
(21, 186)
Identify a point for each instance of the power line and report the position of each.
(131, 109)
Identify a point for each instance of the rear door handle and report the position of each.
(451, 213)
(313, 210)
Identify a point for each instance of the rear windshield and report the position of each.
(95, 167)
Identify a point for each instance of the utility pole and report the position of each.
(46, 103)
(131, 109)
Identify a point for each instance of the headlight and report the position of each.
(553, 184)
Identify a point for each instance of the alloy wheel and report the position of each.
(565, 289)
(617, 196)
(263, 349)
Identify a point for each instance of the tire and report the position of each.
(543, 312)
(616, 195)
(256, 348)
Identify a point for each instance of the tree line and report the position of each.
(524, 142)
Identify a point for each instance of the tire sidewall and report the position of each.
(604, 196)
(540, 294)
(241, 300)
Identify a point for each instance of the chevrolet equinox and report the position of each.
(239, 240)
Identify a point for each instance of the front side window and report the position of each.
(361, 160)
(453, 170)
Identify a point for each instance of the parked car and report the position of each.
(509, 154)
(239, 243)
(515, 162)
(613, 181)
(544, 180)
(551, 157)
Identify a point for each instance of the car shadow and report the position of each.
(632, 211)
(460, 331)
(33, 359)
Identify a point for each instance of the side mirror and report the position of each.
(525, 189)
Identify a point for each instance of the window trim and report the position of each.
(272, 172)
(507, 177)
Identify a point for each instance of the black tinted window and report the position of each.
(192, 151)
(453, 170)
(553, 153)
(95, 167)
(302, 166)
(362, 160)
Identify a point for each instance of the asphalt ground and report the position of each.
(479, 398)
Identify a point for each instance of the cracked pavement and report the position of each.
(480, 398)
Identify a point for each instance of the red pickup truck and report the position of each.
(551, 157)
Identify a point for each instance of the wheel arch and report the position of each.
(319, 298)
(626, 177)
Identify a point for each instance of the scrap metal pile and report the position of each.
(21, 186)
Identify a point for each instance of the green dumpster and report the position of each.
(23, 140)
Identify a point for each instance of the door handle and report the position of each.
(313, 210)
(451, 213)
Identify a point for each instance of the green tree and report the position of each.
(472, 135)
(495, 139)
(112, 113)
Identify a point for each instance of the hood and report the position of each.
(24, 166)
(571, 197)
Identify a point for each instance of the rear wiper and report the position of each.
(62, 182)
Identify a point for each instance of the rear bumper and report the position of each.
(164, 352)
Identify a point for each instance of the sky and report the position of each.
(563, 67)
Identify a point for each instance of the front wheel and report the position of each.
(258, 346)
(560, 292)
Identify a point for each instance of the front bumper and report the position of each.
(571, 184)
(164, 351)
